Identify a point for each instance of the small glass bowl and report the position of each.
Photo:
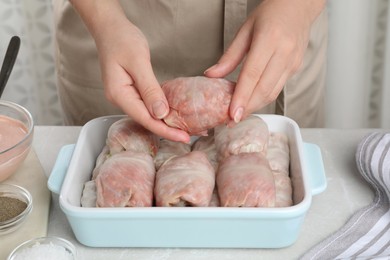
(20, 193)
(12, 156)
(50, 247)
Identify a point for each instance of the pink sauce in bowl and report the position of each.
(12, 131)
(16, 132)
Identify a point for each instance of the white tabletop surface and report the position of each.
(346, 192)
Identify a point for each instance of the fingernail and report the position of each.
(187, 141)
(159, 109)
(185, 138)
(238, 114)
(211, 68)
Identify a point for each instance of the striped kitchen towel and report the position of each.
(367, 234)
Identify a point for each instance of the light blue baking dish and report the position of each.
(184, 227)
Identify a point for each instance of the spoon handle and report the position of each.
(9, 61)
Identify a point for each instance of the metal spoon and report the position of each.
(9, 61)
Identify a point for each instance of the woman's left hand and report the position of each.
(271, 44)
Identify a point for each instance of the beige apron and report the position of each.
(185, 38)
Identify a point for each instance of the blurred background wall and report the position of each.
(358, 79)
(32, 82)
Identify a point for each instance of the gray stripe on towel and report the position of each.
(373, 163)
(372, 242)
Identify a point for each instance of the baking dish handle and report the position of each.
(60, 168)
(315, 167)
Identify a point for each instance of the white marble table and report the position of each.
(346, 192)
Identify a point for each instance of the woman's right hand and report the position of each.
(126, 68)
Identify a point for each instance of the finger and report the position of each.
(233, 55)
(273, 80)
(149, 88)
(257, 59)
(268, 83)
(254, 104)
(136, 109)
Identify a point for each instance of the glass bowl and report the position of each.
(44, 248)
(16, 135)
(20, 193)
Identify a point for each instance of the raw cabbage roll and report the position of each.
(186, 180)
(126, 179)
(127, 135)
(283, 189)
(278, 156)
(197, 103)
(279, 152)
(88, 196)
(104, 154)
(248, 136)
(246, 180)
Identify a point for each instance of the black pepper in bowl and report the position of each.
(16, 204)
(10, 208)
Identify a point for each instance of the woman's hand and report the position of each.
(271, 43)
(130, 82)
(127, 72)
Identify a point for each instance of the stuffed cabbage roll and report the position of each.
(278, 156)
(186, 180)
(197, 103)
(248, 136)
(169, 149)
(126, 179)
(246, 180)
(88, 196)
(127, 135)
(104, 154)
(283, 189)
(278, 153)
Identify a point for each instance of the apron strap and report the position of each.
(234, 16)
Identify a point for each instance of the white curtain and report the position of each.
(385, 102)
(358, 79)
(32, 82)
